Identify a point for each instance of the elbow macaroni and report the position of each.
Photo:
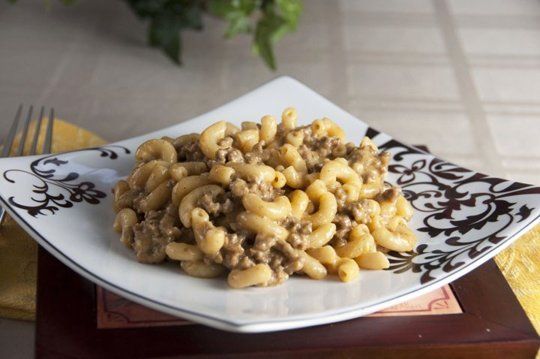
(158, 149)
(291, 157)
(251, 172)
(268, 129)
(263, 202)
(209, 139)
(256, 275)
(279, 209)
(247, 139)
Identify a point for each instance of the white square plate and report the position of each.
(462, 219)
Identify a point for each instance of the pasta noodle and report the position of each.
(263, 202)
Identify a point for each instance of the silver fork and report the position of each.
(8, 142)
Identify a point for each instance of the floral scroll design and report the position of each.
(466, 211)
(54, 191)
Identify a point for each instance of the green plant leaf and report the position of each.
(223, 8)
(219, 7)
(189, 14)
(265, 36)
(167, 19)
(279, 17)
(147, 8)
(164, 32)
(236, 12)
(238, 24)
(290, 10)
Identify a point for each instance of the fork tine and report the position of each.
(8, 143)
(12, 132)
(48, 137)
(26, 125)
(37, 131)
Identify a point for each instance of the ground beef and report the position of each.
(341, 198)
(329, 147)
(222, 204)
(226, 142)
(138, 196)
(279, 274)
(232, 250)
(128, 199)
(349, 148)
(242, 252)
(239, 188)
(225, 155)
(235, 156)
(389, 195)
(261, 248)
(291, 262)
(369, 164)
(170, 223)
(149, 240)
(258, 154)
(299, 231)
(190, 152)
(312, 158)
(282, 259)
(265, 190)
(343, 228)
(360, 212)
(263, 244)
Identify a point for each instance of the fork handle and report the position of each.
(2, 216)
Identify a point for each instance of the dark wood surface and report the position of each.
(493, 325)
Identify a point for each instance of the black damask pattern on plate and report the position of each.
(67, 190)
(464, 213)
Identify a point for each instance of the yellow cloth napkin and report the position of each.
(519, 263)
(18, 252)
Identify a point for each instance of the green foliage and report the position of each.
(266, 20)
(167, 19)
(237, 13)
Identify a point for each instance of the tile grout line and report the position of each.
(469, 94)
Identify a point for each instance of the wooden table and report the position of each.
(493, 325)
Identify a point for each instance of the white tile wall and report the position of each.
(392, 41)
(410, 6)
(495, 7)
(513, 85)
(441, 130)
(510, 42)
(408, 82)
(516, 135)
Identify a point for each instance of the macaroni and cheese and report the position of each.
(262, 202)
